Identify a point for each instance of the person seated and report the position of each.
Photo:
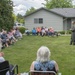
(5, 39)
(43, 33)
(2, 59)
(42, 62)
(27, 31)
(18, 34)
(51, 31)
(34, 32)
(11, 37)
(38, 29)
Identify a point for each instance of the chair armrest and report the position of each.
(42, 72)
(15, 68)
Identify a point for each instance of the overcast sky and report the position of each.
(20, 6)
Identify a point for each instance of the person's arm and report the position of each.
(57, 68)
(0, 40)
(32, 66)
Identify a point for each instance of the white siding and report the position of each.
(49, 20)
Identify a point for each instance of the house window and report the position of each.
(38, 20)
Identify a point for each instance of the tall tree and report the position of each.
(6, 19)
(14, 16)
(20, 18)
(58, 4)
(32, 9)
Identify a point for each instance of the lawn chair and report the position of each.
(42, 73)
(4, 68)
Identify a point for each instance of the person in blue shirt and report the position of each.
(43, 62)
(34, 32)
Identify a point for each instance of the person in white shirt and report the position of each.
(2, 60)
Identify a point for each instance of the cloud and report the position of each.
(20, 6)
(73, 2)
(20, 9)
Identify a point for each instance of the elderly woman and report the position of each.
(43, 63)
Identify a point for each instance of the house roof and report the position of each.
(44, 9)
(67, 12)
(64, 12)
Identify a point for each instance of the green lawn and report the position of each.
(23, 52)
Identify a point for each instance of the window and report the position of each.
(38, 20)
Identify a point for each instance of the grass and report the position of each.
(23, 52)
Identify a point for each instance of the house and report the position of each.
(58, 18)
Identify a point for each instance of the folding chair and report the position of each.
(14, 70)
(42, 73)
(4, 67)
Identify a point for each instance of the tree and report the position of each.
(20, 18)
(58, 4)
(6, 19)
(14, 16)
(73, 6)
(32, 9)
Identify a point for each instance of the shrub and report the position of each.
(65, 32)
(62, 32)
(22, 29)
(69, 32)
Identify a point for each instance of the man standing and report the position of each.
(73, 34)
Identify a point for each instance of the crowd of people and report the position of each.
(42, 31)
(42, 62)
(8, 38)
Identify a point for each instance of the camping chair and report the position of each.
(42, 73)
(4, 67)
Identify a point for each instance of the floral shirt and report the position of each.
(45, 66)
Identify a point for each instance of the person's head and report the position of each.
(43, 54)
(73, 22)
(4, 32)
(1, 54)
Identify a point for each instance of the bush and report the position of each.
(65, 32)
(69, 32)
(22, 29)
(62, 32)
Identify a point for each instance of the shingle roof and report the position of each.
(67, 12)
(44, 9)
(64, 12)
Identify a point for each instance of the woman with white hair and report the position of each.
(43, 62)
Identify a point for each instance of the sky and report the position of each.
(21, 6)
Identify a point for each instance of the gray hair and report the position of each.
(43, 54)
